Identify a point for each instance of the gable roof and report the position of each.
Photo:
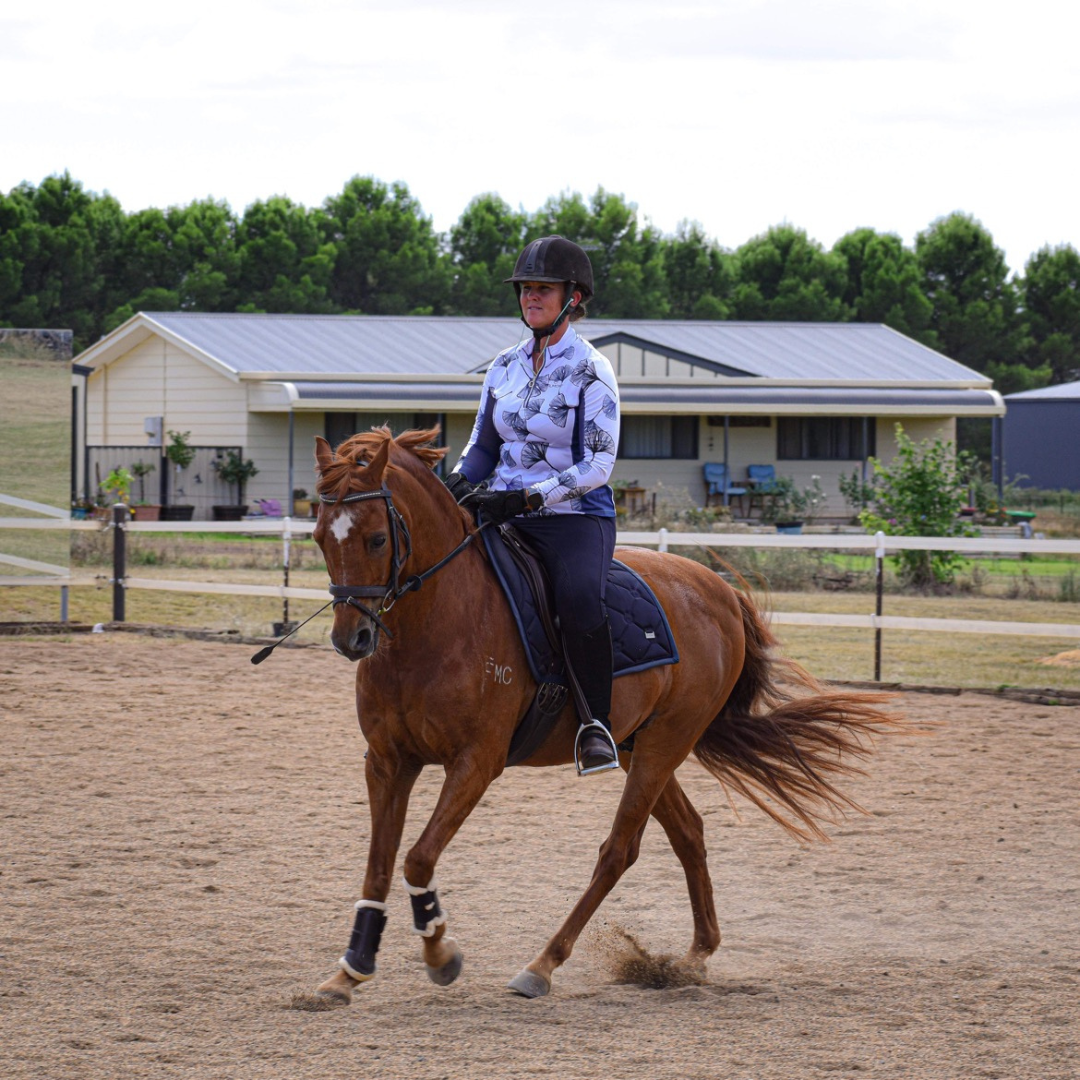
(325, 346)
(1062, 392)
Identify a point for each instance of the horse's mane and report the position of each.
(353, 455)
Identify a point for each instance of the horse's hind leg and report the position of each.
(644, 784)
(686, 833)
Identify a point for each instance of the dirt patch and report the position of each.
(1070, 658)
(184, 835)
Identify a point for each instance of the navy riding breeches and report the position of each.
(576, 550)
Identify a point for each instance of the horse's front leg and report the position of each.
(390, 781)
(464, 787)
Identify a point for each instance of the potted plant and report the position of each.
(142, 510)
(234, 469)
(115, 488)
(180, 454)
(300, 502)
(789, 508)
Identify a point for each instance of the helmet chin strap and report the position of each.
(547, 331)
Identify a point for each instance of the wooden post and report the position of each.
(120, 517)
(879, 560)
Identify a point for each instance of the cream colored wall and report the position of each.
(458, 429)
(916, 428)
(268, 446)
(121, 396)
(158, 379)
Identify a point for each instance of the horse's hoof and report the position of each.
(528, 984)
(445, 975)
(335, 992)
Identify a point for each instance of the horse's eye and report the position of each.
(377, 542)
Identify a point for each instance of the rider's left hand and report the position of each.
(498, 506)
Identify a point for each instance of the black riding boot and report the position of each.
(594, 748)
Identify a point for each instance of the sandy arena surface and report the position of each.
(184, 836)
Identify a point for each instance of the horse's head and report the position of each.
(364, 536)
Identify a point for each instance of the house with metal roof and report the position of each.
(1041, 437)
(811, 399)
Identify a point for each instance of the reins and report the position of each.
(394, 589)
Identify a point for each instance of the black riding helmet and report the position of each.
(554, 258)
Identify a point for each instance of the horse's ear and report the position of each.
(324, 456)
(373, 473)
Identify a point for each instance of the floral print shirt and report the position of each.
(556, 430)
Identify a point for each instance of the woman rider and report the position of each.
(545, 438)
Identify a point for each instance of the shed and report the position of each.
(1041, 437)
(810, 398)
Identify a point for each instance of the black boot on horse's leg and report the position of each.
(594, 748)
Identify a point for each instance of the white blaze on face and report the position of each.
(342, 525)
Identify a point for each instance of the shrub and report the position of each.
(920, 493)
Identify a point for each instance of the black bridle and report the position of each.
(400, 550)
(394, 589)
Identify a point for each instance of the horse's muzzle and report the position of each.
(356, 641)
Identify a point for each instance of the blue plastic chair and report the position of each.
(763, 483)
(717, 482)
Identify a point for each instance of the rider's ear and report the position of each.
(324, 456)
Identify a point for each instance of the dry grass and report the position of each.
(35, 430)
(926, 658)
(930, 657)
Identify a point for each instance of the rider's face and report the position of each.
(541, 301)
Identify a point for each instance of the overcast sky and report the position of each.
(739, 114)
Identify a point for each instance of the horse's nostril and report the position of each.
(363, 640)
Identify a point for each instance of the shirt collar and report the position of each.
(553, 352)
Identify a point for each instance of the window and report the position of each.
(740, 421)
(824, 438)
(343, 425)
(658, 437)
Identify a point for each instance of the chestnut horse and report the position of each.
(434, 689)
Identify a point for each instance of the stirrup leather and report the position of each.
(588, 729)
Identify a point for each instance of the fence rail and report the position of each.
(878, 545)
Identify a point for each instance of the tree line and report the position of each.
(74, 259)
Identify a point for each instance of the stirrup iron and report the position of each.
(589, 729)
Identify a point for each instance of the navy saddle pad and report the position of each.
(640, 635)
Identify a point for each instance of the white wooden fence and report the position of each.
(879, 546)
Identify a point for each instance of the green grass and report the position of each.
(35, 453)
(35, 431)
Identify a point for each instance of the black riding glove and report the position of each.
(459, 486)
(500, 506)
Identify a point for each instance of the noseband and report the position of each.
(401, 549)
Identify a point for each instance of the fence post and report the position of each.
(120, 517)
(879, 565)
(63, 603)
(286, 538)
(662, 546)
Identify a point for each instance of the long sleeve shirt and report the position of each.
(555, 431)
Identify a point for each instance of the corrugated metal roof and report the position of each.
(797, 350)
(1062, 392)
(434, 345)
(343, 344)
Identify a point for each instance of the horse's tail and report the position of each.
(782, 738)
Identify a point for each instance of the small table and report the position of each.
(635, 500)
